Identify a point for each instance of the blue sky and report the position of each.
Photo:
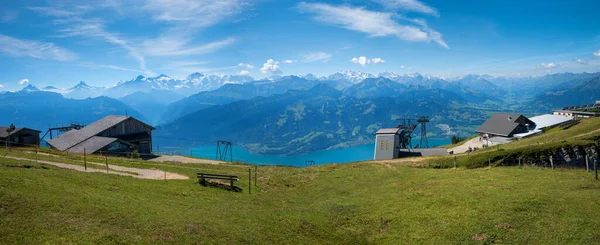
(60, 42)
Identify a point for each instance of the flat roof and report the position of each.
(548, 120)
(388, 131)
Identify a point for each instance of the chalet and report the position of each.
(505, 125)
(112, 134)
(20, 136)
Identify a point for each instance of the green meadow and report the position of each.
(389, 202)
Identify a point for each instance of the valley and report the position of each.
(294, 115)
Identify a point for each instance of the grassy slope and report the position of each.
(348, 203)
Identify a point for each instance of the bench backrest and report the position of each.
(217, 176)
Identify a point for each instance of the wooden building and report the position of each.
(505, 125)
(112, 134)
(20, 136)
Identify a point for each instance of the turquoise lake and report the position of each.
(342, 155)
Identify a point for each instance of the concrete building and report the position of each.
(580, 111)
(20, 136)
(112, 134)
(387, 143)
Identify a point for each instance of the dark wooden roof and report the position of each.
(91, 145)
(501, 124)
(74, 137)
(4, 134)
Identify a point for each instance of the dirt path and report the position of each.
(140, 173)
(474, 142)
(588, 133)
(182, 159)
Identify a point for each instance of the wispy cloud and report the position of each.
(8, 15)
(363, 60)
(246, 65)
(376, 24)
(597, 53)
(549, 65)
(23, 81)
(408, 5)
(97, 30)
(113, 67)
(316, 56)
(55, 11)
(245, 73)
(41, 50)
(271, 66)
(581, 62)
(183, 19)
(177, 47)
(195, 13)
(288, 61)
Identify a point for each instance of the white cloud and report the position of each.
(8, 15)
(271, 66)
(96, 30)
(362, 60)
(1, 86)
(41, 50)
(378, 61)
(194, 13)
(581, 62)
(172, 46)
(376, 24)
(597, 53)
(113, 67)
(549, 65)
(249, 66)
(316, 56)
(24, 81)
(401, 67)
(245, 73)
(183, 19)
(408, 5)
(288, 61)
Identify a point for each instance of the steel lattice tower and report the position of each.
(423, 121)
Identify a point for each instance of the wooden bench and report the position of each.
(202, 177)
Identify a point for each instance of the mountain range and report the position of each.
(298, 114)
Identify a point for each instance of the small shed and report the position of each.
(387, 143)
(20, 136)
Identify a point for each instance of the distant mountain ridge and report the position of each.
(40, 109)
(300, 121)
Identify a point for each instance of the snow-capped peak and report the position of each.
(30, 88)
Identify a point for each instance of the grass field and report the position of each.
(354, 203)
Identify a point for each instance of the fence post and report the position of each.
(84, 160)
(595, 169)
(255, 172)
(250, 181)
(551, 162)
(490, 162)
(454, 162)
(587, 163)
(106, 160)
(519, 162)
(36, 154)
